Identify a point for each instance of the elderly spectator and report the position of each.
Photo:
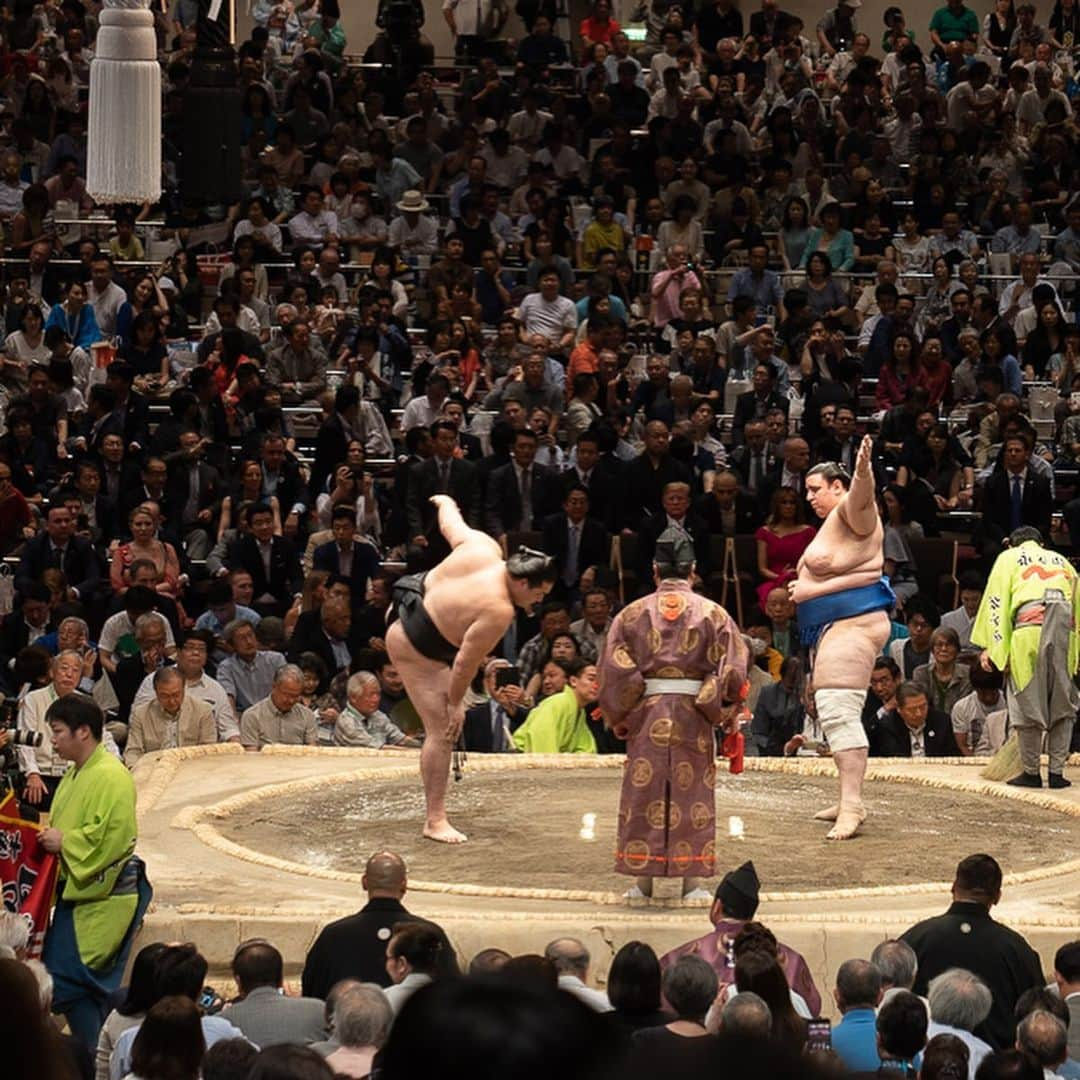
(959, 1003)
(571, 959)
(857, 996)
(362, 722)
(248, 674)
(279, 717)
(362, 1019)
(685, 1045)
(172, 719)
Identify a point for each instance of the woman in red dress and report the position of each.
(780, 542)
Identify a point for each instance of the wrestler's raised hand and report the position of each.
(443, 500)
(866, 452)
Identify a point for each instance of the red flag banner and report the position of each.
(27, 872)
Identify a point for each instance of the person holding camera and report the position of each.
(488, 725)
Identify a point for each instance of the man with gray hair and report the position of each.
(363, 723)
(1042, 1037)
(248, 674)
(898, 964)
(746, 1017)
(173, 718)
(362, 1019)
(279, 717)
(571, 959)
(959, 1003)
(14, 935)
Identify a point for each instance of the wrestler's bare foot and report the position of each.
(828, 814)
(444, 833)
(848, 821)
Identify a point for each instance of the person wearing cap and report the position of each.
(843, 605)
(673, 669)
(836, 28)
(734, 905)
(413, 232)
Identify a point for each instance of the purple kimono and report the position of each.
(667, 812)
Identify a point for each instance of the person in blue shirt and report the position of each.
(76, 317)
(857, 995)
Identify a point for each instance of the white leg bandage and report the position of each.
(840, 713)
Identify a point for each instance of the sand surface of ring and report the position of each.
(525, 830)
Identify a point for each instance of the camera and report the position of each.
(25, 738)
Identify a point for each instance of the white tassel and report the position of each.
(124, 136)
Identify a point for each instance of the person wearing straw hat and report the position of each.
(413, 232)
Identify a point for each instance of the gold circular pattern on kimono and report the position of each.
(656, 814)
(641, 772)
(707, 693)
(656, 642)
(708, 853)
(703, 744)
(682, 855)
(629, 694)
(708, 777)
(670, 672)
(622, 658)
(689, 640)
(660, 731)
(636, 855)
(671, 605)
(700, 815)
(684, 775)
(715, 653)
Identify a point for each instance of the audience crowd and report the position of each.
(590, 288)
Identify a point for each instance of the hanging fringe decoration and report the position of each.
(124, 131)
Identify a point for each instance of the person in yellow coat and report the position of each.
(103, 889)
(558, 725)
(1026, 626)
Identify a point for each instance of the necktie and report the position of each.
(755, 471)
(498, 730)
(1015, 505)
(570, 574)
(526, 500)
(58, 557)
(444, 477)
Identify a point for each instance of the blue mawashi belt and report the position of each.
(815, 616)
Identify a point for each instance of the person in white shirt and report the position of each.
(104, 295)
(314, 225)
(961, 619)
(413, 232)
(548, 319)
(527, 126)
(424, 410)
(979, 719)
(1033, 103)
(571, 960)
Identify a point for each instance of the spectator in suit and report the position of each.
(755, 403)
(647, 475)
(418, 448)
(1014, 495)
(151, 635)
(132, 409)
(489, 724)
(281, 478)
(1067, 978)
(442, 473)
(328, 634)
(599, 474)
(778, 714)
(271, 561)
(351, 419)
(59, 548)
(914, 729)
(789, 471)
(193, 495)
(454, 411)
(26, 624)
(755, 459)
(520, 494)
(840, 445)
(355, 947)
(264, 1013)
(346, 557)
(676, 504)
(726, 510)
(574, 539)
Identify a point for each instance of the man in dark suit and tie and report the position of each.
(59, 548)
(346, 557)
(913, 729)
(442, 474)
(329, 634)
(281, 478)
(755, 459)
(271, 561)
(676, 511)
(521, 494)
(575, 540)
(645, 478)
(726, 510)
(192, 495)
(488, 725)
(131, 407)
(755, 403)
(841, 445)
(599, 474)
(789, 471)
(1014, 495)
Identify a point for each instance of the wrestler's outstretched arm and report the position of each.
(860, 505)
(451, 523)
